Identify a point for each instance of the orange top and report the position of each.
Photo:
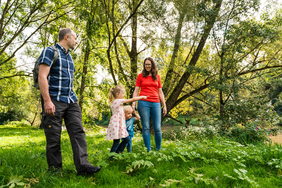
(149, 87)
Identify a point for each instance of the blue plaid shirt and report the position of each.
(60, 78)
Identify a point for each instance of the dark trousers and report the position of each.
(119, 147)
(52, 128)
(129, 144)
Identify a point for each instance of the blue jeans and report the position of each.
(146, 110)
(119, 147)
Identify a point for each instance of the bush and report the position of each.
(105, 119)
(190, 132)
(9, 116)
(17, 124)
(243, 111)
(253, 132)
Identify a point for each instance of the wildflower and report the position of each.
(256, 128)
(259, 118)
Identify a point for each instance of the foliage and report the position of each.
(215, 47)
(13, 181)
(20, 103)
(184, 163)
(253, 132)
(104, 120)
(242, 110)
(20, 23)
(190, 132)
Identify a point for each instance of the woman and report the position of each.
(150, 83)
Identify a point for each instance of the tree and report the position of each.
(16, 104)
(208, 66)
(21, 20)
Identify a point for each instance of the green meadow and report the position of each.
(191, 162)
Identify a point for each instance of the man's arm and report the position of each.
(44, 70)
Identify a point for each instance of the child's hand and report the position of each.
(144, 97)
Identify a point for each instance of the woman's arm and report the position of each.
(162, 98)
(135, 94)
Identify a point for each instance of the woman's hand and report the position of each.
(164, 110)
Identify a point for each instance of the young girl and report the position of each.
(117, 128)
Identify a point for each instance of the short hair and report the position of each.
(127, 108)
(63, 32)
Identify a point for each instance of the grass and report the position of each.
(188, 163)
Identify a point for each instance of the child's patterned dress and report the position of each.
(117, 127)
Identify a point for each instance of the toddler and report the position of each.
(129, 121)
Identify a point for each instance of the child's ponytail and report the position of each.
(111, 95)
(114, 91)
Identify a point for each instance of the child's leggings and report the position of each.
(129, 144)
(119, 147)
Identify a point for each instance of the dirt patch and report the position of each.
(166, 127)
(277, 139)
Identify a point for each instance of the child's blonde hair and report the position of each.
(127, 108)
(114, 91)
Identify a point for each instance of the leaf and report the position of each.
(151, 179)
(279, 173)
(228, 176)
(20, 184)
(15, 179)
(197, 180)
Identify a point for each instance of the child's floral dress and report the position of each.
(117, 127)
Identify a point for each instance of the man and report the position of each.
(56, 87)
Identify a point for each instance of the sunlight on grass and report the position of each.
(17, 141)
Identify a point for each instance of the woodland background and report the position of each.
(219, 60)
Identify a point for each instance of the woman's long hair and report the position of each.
(154, 70)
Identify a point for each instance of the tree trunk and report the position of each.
(133, 53)
(83, 78)
(168, 79)
(177, 90)
(221, 103)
